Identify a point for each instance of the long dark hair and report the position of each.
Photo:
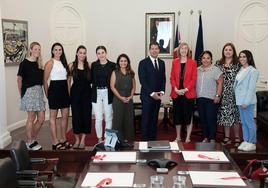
(249, 56)
(101, 47)
(86, 65)
(234, 61)
(128, 68)
(62, 57)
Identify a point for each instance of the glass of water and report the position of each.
(179, 182)
(156, 181)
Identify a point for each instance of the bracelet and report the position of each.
(217, 95)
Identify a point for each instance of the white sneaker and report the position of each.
(242, 145)
(250, 147)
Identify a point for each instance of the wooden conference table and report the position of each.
(143, 171)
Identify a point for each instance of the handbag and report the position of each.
(254, 168)
(111, 138)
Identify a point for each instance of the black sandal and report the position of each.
(226, 141)
(67, 144)
(58, 146)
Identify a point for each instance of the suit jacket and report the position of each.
(151, 80)
(245, 88)
(189, 81)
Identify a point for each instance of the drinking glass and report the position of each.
(179, 181)
(156, 181)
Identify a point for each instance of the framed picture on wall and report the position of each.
(15, 40)
(159, 27)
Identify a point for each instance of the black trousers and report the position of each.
(149, 119)
(208, 111)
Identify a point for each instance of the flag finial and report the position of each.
(199, 12)
(191, 11)
(179, 13)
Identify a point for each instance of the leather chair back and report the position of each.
(262, 101)
(8, 174)
(20, 156)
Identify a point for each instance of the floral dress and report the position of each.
(228, 114)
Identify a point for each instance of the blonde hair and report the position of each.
(179, 49)
(39, 59)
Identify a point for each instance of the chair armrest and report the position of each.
(27, 183)
(137, 105)
(38, 161)
(44, 160)
(34, 184)
(34, 173)
(27, 173)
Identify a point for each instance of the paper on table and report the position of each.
(210, 178)
(118, 179)
(173, 146)
(118, 157)
(205, 156)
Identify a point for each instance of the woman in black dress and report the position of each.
(80, 97)
(58, 95)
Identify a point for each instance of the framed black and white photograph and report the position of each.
(159, 27)
(15, 40)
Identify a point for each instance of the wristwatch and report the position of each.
(217, 95)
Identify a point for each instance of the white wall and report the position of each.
(5, 137)
(120, 26)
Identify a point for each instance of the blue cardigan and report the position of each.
(245, 89)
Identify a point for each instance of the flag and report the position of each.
(199, 48)
(176, 43)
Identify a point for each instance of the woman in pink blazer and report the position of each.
(183, 81)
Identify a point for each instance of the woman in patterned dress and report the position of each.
(228, 115)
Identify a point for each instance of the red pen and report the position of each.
(234, 177)
(105, 181)
(98, 157)
(207, 157)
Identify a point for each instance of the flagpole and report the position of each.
(190, 30)
(199, 48)
(178, 24)
(177, 37)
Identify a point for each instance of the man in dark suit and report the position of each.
(153, 81)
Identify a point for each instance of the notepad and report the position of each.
(205, 156)
(161, 144)
(115, 157)
(143, 146)
(216, 179)
(117, 179)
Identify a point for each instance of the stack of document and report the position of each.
(205, 156)
(216, 179)
(162, 144)
(115, 157)
(155, 145)
(93, 179)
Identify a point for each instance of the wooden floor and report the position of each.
(44, 137)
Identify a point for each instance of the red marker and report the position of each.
(105, 181)
(234, 178)
(207, 157)
(98, 157)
